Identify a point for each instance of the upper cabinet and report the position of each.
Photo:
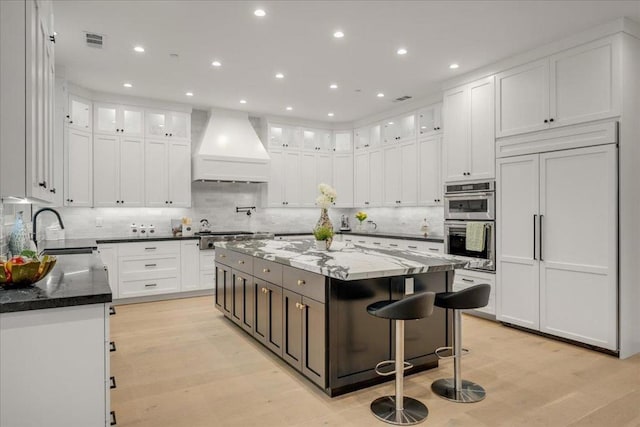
(169, 124)
(79, 113)
(118, 120)
(469, 137)
(367, 137)
(283, 136)
(574, 86)
(316, 139)
(429, 120)
(343, 141)
(399, 129)
(27, 101)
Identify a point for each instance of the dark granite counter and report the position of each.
(75, 280)
(56, 246)
(155, 238)
(400, 236)
(348, 261)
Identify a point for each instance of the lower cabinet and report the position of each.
(243, 300)
(223, 292)
(54, 365)
(268, 315)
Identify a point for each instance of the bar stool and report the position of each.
(456, 389)
(399, 409)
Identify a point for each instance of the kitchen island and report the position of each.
(309, 306)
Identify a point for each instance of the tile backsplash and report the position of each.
(217, 203)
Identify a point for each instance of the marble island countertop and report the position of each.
(75, 280)
(348, 261)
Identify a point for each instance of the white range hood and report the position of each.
(230, 150)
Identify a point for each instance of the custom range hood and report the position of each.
(230, 150)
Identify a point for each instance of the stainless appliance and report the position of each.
(344, 223)
(455, 242)
(208, 238)
(470, 202)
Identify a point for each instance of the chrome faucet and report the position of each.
(35, 218)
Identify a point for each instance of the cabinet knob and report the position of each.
(170, 134)
(241, 262)
(239, 279)
(551, 119)
(266, 270)
(53, 190)
(264, 290)
(166, 202)
(546, 121)
(300, 306)
(301, 282)
(170, 202)
(70, 121)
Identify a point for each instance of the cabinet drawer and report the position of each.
(267, 270)
(207, 260)
(150, 264)
(465, 279)
(304, 282)
(207, 279)
(223, 256)
(242, 262)
(149, 248)
(134, 288)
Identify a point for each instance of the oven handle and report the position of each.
(454, 196)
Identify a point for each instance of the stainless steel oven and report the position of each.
(470, 201)
(455, 242)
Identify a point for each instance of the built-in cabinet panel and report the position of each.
(78, 156)
(168, 124)
(400, 175)
(369, 178)
(292, 328)
(190, 265)
(429, 120)
(343, 175)
(118, 119)
(469, 138)
(79, 113)
(167, 173)
(573, 86)
(131, 172)
(553, 275)
(430, 171)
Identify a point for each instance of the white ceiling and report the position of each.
(296, 38)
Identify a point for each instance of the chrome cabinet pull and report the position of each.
(301, 282)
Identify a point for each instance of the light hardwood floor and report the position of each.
(180, 363)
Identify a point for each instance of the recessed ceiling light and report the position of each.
(289, 108)
(338, 34)
(401, 51)
(259, 12)
(279, 76)
(380, 95)
(127, 85)
(139, 49)
(390, 123)
(330, 114)
(216, 63)
(189, 93)
(333, 86)
(454, 66)
(243, 101)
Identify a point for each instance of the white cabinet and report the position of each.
(399, 129)
(167, 176)
(54, 367)
(189, 265)
(343, 179)
(169, 124)
(316, 139)
(78, 160)
(400, 175)
(284, 188)
(367, 137)
(118, 171)
(118, 119)
(27, 101)
(556, 248)
(464, 279)
(207, 269)
(148, 268)
(343, 141)
(315, 169)
(368, 178)
(430, 171)
(79, 113)
(574, 86)
(429, 120)
(109, 256)
(469, 141)
(284, 136)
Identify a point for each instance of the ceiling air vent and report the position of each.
(402, 98)
(94, 40)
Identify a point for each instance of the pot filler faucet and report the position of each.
(35, 222)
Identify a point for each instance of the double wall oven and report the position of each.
(466, 203)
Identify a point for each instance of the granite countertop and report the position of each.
(348, 261)
(75, 280)
(401, 236)
(156, 237)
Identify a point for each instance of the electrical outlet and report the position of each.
(99, 221)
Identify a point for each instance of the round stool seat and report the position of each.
(416, 306)
(473, 297)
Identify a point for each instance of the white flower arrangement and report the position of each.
(327, 196)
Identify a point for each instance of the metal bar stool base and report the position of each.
(414, 412)
(470, 392)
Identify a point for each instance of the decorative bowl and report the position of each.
(25, 273)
